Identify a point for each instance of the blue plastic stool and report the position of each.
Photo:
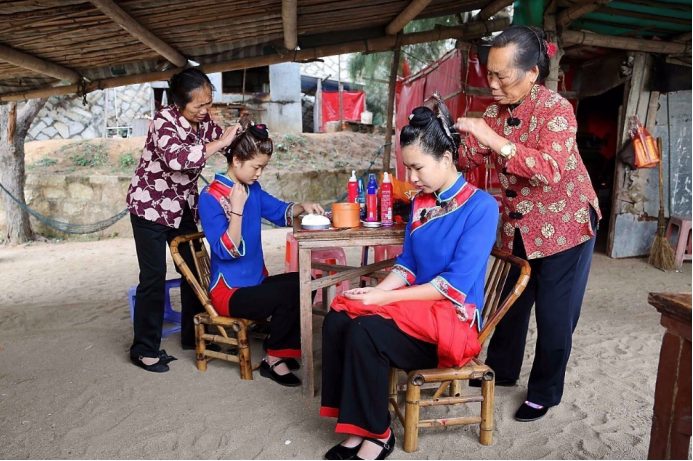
(170, 316)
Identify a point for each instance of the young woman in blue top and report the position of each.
(231, 208)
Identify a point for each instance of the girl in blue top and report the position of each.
(231, 208)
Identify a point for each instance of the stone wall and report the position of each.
(88, 199)
(65, 117)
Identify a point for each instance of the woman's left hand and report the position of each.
(312, 208)
(369, 296)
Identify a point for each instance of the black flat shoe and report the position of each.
(499, 383)
(288, 380)
(339, 451)
(388, 446)
(292, 364)
(528, 414)
(165, 358)
(158, 367)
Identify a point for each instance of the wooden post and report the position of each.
(317, 109)
(306, 322)
(411, 417)
(290, 23)
(456, 388)
(200, 346)
(244, 354)
(552, 36)
(339, 87)
(390, 109)
(486, 426)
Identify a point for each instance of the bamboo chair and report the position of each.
(201, 286)
(450, 379)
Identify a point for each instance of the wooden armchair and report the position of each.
(449, 379)
(201, 286)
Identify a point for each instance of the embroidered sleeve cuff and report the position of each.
(233, 250)
(405, 273)
(289, 215)
(449, 291)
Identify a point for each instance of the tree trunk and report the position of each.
(553, 36)
(13, 130)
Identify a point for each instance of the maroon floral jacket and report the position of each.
(171, 163)
(546, 191)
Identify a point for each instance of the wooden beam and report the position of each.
(410, 12)
(492, 8)
(290, 23)
(646, 16)
(682, 38)
(463, 32)
(569, 15)
(41, 66)
(137, 30)
(550, 26)
(624, 43)
(390, 109)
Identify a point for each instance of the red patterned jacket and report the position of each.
(546, 191)
(171, 163)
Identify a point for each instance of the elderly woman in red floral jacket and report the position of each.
(162, 200)
(550, 211)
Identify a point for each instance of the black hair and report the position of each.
(185, 83)
(530, 48)
(434, 130)
(252, 140)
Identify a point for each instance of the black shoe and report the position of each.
(499, 383)
(339, 451)
(165, 358)
(292, 364)
(528, 414)
(387, 446)
(158, 367)
(288, 380)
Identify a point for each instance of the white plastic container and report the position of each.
(367, 118)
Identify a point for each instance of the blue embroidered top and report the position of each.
(448, 242)
(238, 264)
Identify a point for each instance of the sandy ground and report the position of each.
(67, 389)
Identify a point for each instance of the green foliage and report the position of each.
(44, 162)
(86, 154)
(374, 69)
(127, 161)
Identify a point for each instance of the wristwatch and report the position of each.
(508, 150)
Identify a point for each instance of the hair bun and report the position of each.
(259, 131)
(421, 117)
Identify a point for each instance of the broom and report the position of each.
(662, 253)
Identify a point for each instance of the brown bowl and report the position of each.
(346, 215)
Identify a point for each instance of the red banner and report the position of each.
(353, 103)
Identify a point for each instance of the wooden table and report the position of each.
(671, 421)
(309, 240)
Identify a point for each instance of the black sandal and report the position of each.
(288, 380)
(388, 446)
(158, 367)
(339, 451)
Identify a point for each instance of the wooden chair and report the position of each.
(201, 286)
(449, 379)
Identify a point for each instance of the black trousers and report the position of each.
(556, 286)
(278, 296)
(150, 242)
(356, 359)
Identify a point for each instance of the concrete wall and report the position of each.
(88, 199)
(65, 117)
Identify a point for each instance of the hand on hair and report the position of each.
(369, 296)
(477, 127)
(238, 197)
(311, 208)
(230, 134)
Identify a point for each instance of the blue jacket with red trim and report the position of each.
(237, 264)
(448, 242)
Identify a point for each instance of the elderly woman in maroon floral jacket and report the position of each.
(162, 200)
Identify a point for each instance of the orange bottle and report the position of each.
(645, 146)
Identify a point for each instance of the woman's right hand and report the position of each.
(230, 133)
(238, 197)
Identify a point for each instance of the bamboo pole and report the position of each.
(410, 12)
(392, 86)
(486, 426)
(491, 9)
(463, 32)
(127, 22)
(552, 36)
(290, 23)
(569, 15)
(571, 37)
(41, 66)
(411, 418)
